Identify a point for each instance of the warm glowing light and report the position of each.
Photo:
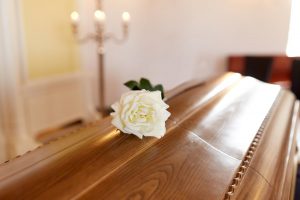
(100, 17)
(293, 45)
(126, 17)
(74, 17)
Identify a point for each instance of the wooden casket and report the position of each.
(230, 138)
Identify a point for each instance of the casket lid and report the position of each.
(229, 138)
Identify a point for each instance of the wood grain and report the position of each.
(209, 134)
(170, 170)
(253, 186)
(227, 123)
(275, 154)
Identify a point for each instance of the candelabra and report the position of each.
(100, 36)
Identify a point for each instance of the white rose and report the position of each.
(141, 113)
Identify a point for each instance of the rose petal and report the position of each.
(141, 113)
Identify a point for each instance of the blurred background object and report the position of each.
(100, 36)
(277, 69)
(296, 78)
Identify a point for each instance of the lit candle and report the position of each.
(126, 18)
(100, 17)
(74, 17)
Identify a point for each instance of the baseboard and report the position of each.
(55, 101)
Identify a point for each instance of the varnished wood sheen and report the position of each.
(229, 138)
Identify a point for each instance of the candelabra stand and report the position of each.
(100, 36)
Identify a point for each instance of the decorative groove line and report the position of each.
(249, 154)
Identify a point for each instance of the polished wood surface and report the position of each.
(230, 138)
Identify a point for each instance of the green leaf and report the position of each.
(161, 89)
(145, 84)
(136, 88)
(133, 85)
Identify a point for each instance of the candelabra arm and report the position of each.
(87, 38)
(118, 40)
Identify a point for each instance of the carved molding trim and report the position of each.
(76, 131)
(249, 154)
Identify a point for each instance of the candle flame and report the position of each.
(74, 16)
(126, 17)
(100, 15)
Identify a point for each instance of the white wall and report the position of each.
(293, 47)
(27, 106)
(172, 41)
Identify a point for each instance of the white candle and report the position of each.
(100, 17)
(126, 18)
(74, 17)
